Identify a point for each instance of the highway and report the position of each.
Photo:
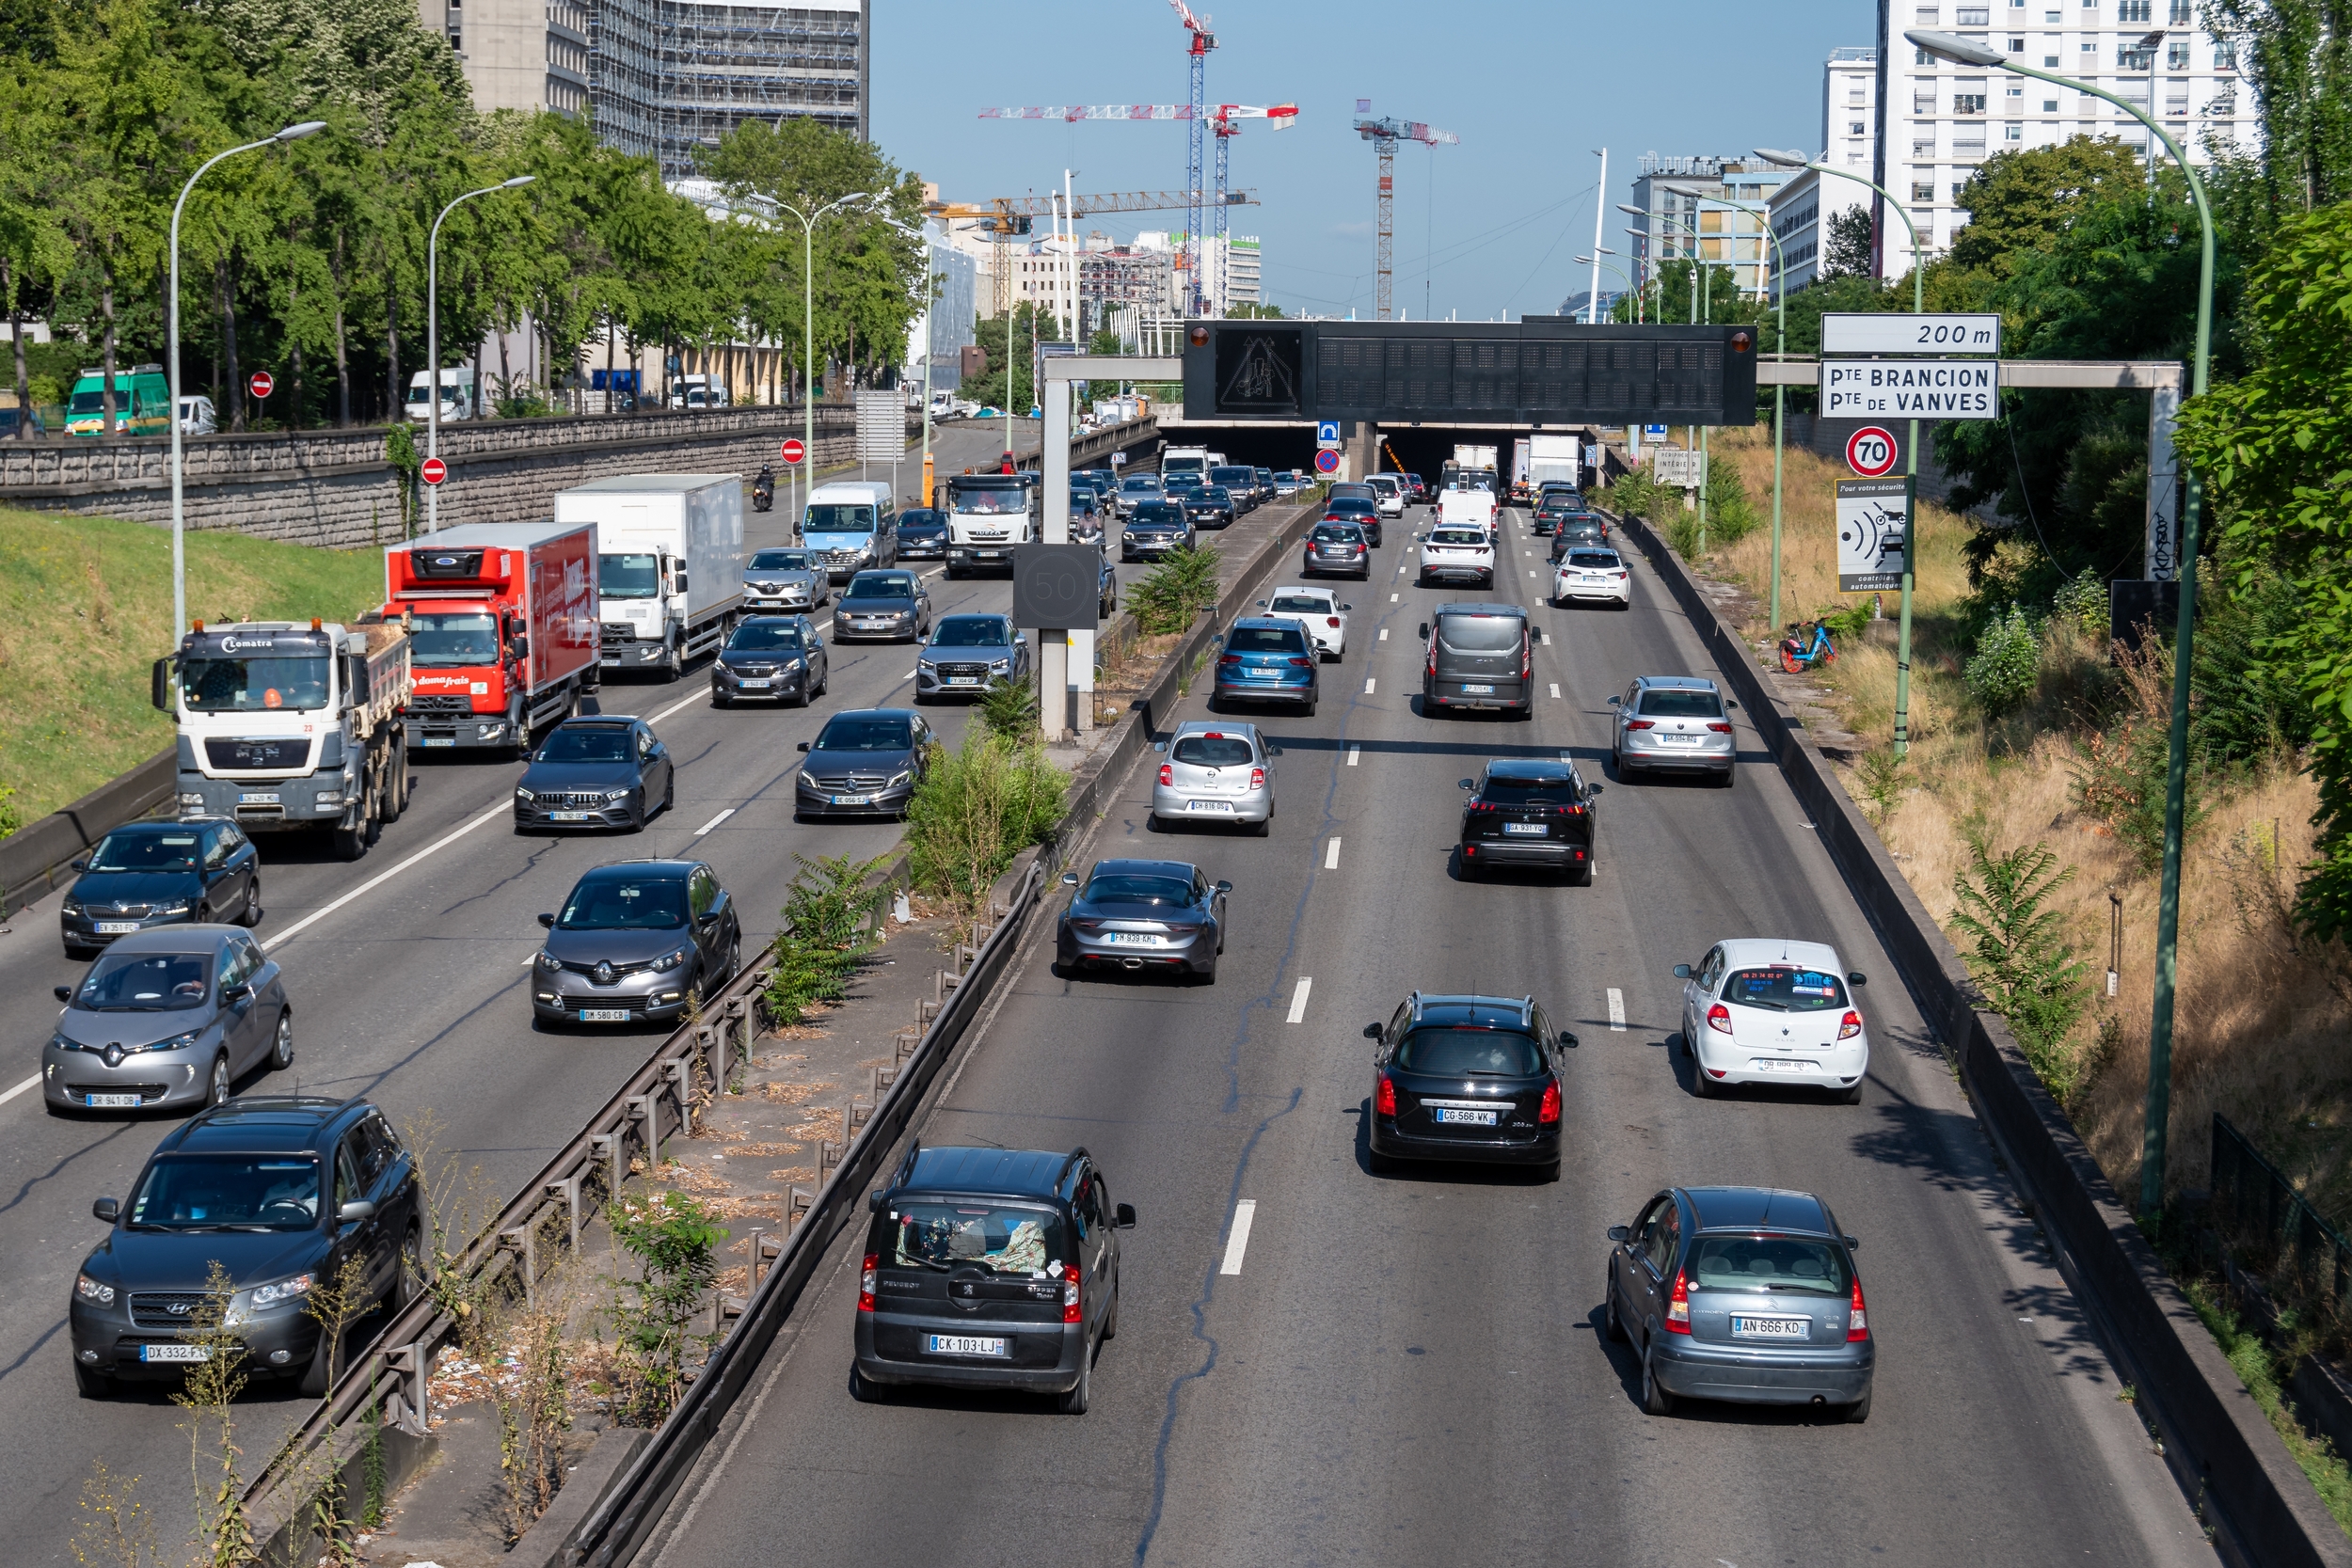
(1408, 1370)
(411, 993)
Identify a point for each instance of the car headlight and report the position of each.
(927, 664)
(59, 1040)
(810, 779)
(548, 963)
(180, 908)
(94, 1291)
(899, 777)
(177, 1042)
(524, 796)
(71, 905)
(260, 1298)
(1000, 665)
(616, 795)
(670, 960)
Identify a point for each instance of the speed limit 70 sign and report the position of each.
(1870, 451)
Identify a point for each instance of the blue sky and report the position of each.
(1483, 227)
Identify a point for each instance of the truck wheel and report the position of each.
(396, 785)
(674, 666)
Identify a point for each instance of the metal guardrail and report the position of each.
(2255, 1207)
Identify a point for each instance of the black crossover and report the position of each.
(1466, 1078)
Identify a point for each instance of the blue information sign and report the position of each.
(1327, 433)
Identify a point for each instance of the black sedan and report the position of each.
(599, 772)
(1161, 916)
(149, 874)
(634, 943)
(777, 656)
(1209, 506)
(1155, 527)
(882, 606)
(1338, 549)
(1529, 812)
(923, 533)
(1359, 510)
(866, 762)
(1474, 1078)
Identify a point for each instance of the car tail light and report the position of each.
(1383, 1097)
(1719, 1018)
(1302, 663)
(1719, 727)
(1641, 725)
(1527, 658)
(1072, 1309)
(1230, 659)
(1331, 621)
(1257, 780)
(1678, 1305)
(1433, 657)
(873, 1267)
(1857, 1317)
(1167, 775)
(1549, 1112)
(1849, 1026)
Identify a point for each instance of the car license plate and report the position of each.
(1525, 829)
(1225, 806)
(173, 1353)
(963, 1344)
(111, 1102)
(1469, 691)
(761, 684)
(1782, 1064)
(569, 816)
(990, 555)
(1465, 1119)
(1131, 938)
(1771, 1328)
(1679, 739)
(116, 928)
(447, 740)
(258, 798)
(963, 680)
(853, 800)
(604, 1015)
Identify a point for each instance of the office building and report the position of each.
(517, 55)
(937, 337)
(1687, 210)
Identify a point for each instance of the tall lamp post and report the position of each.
(930, 303)
(1911, 447)
(2159, 1106)
(808, 334)
(433, 336)
(171, 332)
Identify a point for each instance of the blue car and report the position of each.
(1267, 660)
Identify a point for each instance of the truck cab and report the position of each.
(987, 516)
(504, 619)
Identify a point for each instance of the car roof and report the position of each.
(1529, 767)
(598, 721)
(1505, 1012)
(1758, 1209)
(649, 867)
(1209, 726)
(1266, 623)
(1674, 683)
(188, 937)
(264, 1124)
(1302, 588)
(1013, 1172)
(1770, 951)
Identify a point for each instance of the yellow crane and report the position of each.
(1009, 217)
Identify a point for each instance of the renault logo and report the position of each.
(604, 973)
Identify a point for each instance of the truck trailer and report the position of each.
(504, 620)
(669, 575)
(283, 726)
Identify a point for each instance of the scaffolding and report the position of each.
(724, 64)
(624, 61)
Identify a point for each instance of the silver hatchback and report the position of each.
(1674, 724)
(785, 579)
(1215, 770)
(168, 1017)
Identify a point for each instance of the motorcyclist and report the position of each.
(764, 489)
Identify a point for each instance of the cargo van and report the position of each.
(850, 524)
(142, 402)
(457, 394)
(1479, 656)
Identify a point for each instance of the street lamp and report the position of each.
(433, 338)
(2159, 1106)
(1698, 263)
(808, 333)
(1779, 393)
(171, 332)
(930, 303)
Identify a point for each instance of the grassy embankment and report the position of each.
(85, 608)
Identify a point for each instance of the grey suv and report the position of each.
(989, 1268)
(1480, 655)
(1674, 724)
(633, 941)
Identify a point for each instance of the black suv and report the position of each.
(1466, 1078)
(1529, 811)
(281, 1191)
(989, 1268)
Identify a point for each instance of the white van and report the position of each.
(1472, 507)
(850, 524)
(698, 391)
(457, 394)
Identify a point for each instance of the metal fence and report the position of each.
(2269, 1227)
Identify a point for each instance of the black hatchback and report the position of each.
(281, 1191)
(989, 1268)
(866, 762)
(602, 772)
(1466, 1077)
(923, 533)
(1529, 811)
(148, 874)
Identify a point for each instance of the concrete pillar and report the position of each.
(2162, 559)
(1052, 685)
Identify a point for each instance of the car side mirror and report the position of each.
(1345, 607)
(1159, 745)
(875, 1201)
(1682, 972)
(1225, 887)
(1853, 1244)
(79, 863)
(63, 993)
(1567, 1039)
(1468, 785)
(547, 921)
(1594, 789)
(353, 1212)
(803, 747)
(1728, 703)
(1374, 1030)
(1620, 1233)
(1123, 1216)
(1424, 630)
(1273, 751)
(709, 916)
(235, 993)
(1260, 603)
(107, 1209)
(1615, 701)
(1857, 979)
(1069, 879)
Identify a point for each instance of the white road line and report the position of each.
(1353, 754)
(32, 1083)
(1391, 600)
(683, 701)
(1555, 692)
(1384, 634)
(271, 943)
(1367, 687)
(1332, 856)
(730, 811)
(1546, 637)
(1237, 1240)
(1531, 571)
(1616, 1011)
(1298, 999)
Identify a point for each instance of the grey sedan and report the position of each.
(634, 943)
(169, 1017)
(784, 580)
(1161, 915)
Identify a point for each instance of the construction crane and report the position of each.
(1223, 122)
(1199, 41)
(1384, 134)
(1008, 218)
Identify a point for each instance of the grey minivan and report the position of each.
(1479, 656)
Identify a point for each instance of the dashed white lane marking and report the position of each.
(1555, 692)
(1391, 600)
(1367, 687)
(1546, 637)
(377, 880)
(1384, 634)
(1531, 571)
(1616, 1011)
(730, 811)
(1237, 1240)
(1353, 754)
(683, 701)
(1332, 856)
(1298, 999)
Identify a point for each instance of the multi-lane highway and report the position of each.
(407, 972)
(1408, 1369)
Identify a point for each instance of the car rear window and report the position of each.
(1301, 604)
(1598, 559)
(954, 1233)
(1339, 534)
(1213, 751)
(1479, 1053)
(1458, 536)
(1481, 634)
(1502, 787)
(1681, 705)
(1794, 1264)
(1785, 990)
(1134, 887)
(1353, 506)
(1265, 639)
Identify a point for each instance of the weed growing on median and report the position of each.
(1177, 591)
(2020, 957)
(977, 807)
(825, 935)
(224, 1531)
(116, 1530)
(676, 1237)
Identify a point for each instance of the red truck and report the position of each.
(504, 622)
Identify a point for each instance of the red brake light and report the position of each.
(1527, 658)
(1719, 1018)
(1383, 1097)
(1230, 659)
(865, 1282)
(1857, 1317)
(1849, 1026)
(1331, 620)
(1678, 1305)
(1719, 727)
(1072, 1308)
(1302, 663)
(1549, 1112)
(1257, 780)
(1167, 775)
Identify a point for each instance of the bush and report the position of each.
(824, 936)
(977, 807)
(676, 1237)
(1178, 590)
(2007, 661)
(1008, 710)
(2082, 604)
(2028, 973)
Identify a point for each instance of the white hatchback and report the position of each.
(1456, 552)
(1587, 573)
(1387, 494)
(1316, 609)
(1767, 1010)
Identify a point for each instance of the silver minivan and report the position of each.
(1674, 724)
(1215, 770)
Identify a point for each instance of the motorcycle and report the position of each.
(764, 489)
(1798, 652)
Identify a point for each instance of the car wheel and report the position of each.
(1263, 827)
(1611, 1324)
(1859, 1411)
(281, 1045)
(1725, 780)
(408, 1278)
(865, 1389)
(1702, 1086)
(1110, 1323)
(204, 914)
(668, 791)
(217, 1087)
(92, 1383)
(81, 955)
(1074, 1403)
(1205, 975)
(1311, 706)
(351, 843)
(1378, 1163)
(719, 699)
(251, 914)
(823, 683)
(1581, 876)
(1656, 1400)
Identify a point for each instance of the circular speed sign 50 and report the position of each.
(1870, 451)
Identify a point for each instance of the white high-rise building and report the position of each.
(1803, 208)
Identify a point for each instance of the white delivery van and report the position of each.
(1472, 506)
(457, 394)
(669, 564)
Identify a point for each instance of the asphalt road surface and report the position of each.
(1409, 1369)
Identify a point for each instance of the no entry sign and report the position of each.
(262, 384)
(1870, 451)
(434, 472)
(792, 452)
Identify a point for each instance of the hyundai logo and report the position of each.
(180, 1308)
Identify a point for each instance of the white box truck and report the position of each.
(1551, 457)
(669, 564)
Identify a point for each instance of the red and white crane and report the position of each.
(1384, 134)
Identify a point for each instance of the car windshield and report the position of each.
(625, 904)
(861, 587)
(1301, 604)
(1481, 634)
(585, 744)
(1681, 705)
(967, 1233)
(763, 636)
(971, 631)
(252, 684)
(631, 576)
(227, 1191)
(994, 500)
(1505, 787)
(1263, 640)
(173, 850)
(451, 640)
(1138, 486)
(1214, 493)
(838, 519)
(1597, 560)
(871, 732)
(779, 560)
(922, 516)
(145, 983)
(1785, 988)
(1130, 887)
(1160, 512)
(1474, 1052)
(1338, 533)
(1213, 751)
(1770, 1263)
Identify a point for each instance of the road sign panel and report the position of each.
(1327, 461)
(1653, 432)
(1057, 586)
(1674, 466)
(1936, 332)
(434, 472)
(1870, 451)
(1327, 433)
(262, 384)
(1911, 388)
(792, 452)
(1873, 517)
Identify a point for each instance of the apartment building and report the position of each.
(1711, 208)
(1803, 207)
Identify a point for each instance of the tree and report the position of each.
(1010, 382)
(1848, 252)
(2297, 57)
